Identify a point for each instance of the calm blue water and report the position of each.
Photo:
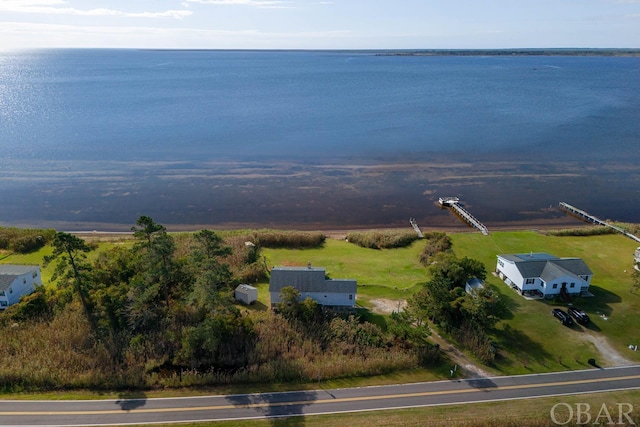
(66, 113)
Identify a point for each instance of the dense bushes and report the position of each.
(287, 239)
(583, 231)
(437, 242)
(24, 240)
(382, 239)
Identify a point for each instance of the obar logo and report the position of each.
(582, 414)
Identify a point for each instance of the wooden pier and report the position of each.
(594, 220)
(454, 204)
(414, 224)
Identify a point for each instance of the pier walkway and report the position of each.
(454, 204)
(414, 224)
(595, 220)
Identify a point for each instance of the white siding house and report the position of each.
(246, 294)
(312, 282)
(16, 281)
(543, 274)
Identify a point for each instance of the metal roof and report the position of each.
(548, 267)
(308, 279)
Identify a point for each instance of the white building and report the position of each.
(312, 282)
(544, 275)
(16, 281)
(246, 294)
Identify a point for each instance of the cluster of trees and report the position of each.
(24, 240)
(382, 239)
(146, 303)
(465, 316)
(161, 312)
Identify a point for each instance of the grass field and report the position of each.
(530, 339)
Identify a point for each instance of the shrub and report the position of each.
(583, 231)
(288, 239)
(437, 242)
(24, 240)
(382, 239)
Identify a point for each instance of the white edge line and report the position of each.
(320, 390)
(335, 412)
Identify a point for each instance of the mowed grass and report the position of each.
(381, 273)
(532, 340)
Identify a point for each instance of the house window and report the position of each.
(500, 263)
(24, 280)
(35, 274)
(1, 293)
(530, 281)
(350, 297)
(572, 285)
(555, 286)
(3, 303)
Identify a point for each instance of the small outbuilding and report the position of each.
(473, 285)
(17, 281)
(246, 294)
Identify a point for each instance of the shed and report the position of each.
(473, 285)
(246, 294)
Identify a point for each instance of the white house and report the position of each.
(246, 294)
(312, 282)
(16, 281)
(543, 274)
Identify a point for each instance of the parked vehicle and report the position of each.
(580, 316)
(563, 317)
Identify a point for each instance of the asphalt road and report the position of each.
(245, 406)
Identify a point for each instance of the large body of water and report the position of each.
(313, 139)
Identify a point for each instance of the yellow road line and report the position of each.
(309, 402)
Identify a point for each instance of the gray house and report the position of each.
(312, 282)
(16, 281)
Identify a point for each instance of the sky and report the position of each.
(319, 24)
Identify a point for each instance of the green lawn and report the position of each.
(532, 339)
(386, 273)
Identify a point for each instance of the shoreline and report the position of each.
(333, 231)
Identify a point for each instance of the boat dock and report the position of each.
(454, 204)
(414, 224)
(594, 220)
